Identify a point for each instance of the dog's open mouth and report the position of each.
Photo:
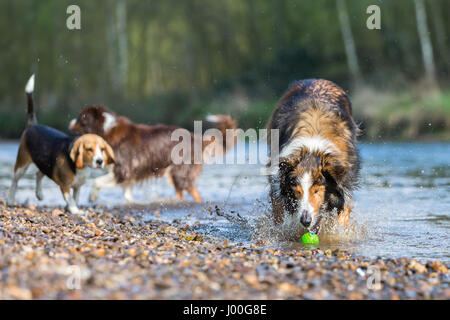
(316, 227)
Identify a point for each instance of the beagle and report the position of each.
(64, 159)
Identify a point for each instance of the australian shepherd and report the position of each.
(318, 164)
(143, 152)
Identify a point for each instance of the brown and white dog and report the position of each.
(64, 159)
(142, 151)
(318, 160)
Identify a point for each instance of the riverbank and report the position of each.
(48, 254)
(408, 114)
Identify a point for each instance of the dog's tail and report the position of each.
(223, 123)
(29, 88)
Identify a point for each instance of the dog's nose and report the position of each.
(305, 219)
(99, 161)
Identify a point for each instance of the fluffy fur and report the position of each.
(318, 160)
(142, 151)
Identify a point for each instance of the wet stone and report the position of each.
(121, 257)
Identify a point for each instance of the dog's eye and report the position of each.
(89, 149)
(297, 193)
(103, 149)
(318, 189)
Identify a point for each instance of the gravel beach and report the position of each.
(46, 253)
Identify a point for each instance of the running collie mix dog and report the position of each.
(318, 164)
(64, 159)
(142, 151)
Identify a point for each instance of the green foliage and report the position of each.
(408, 115)
(185, 59)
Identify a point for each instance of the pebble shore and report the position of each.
(46, 253)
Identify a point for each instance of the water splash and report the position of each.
(263, 230)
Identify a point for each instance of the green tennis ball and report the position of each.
(310, 238)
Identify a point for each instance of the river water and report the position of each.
(402, 208)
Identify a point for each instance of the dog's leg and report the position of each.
(18, 174)
(344, 216)
(168, 175)
(76, 193)
(70, 201)
(23, 161)
(128, 194)
(39, 194)
(105, 181)
(194, 193)
(179, 194)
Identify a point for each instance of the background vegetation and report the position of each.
(175, 61)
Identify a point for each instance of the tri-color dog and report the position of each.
(142, 151)
(62, 158)
(318, 160)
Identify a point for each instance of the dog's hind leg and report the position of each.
(18, 174)
(194, 193)
(23, 161)
(179, 193)
(39, 176)
(128, 194)
(106, 181)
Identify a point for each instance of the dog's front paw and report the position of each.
(75, 210)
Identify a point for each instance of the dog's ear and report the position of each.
(286, 166)
(76, 154)
(109, 153)
(333, 172)
(334, 168)
(334, 195)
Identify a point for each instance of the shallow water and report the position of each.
(402, 208)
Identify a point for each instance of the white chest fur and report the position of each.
(81, 176)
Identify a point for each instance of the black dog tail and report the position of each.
(29, 88)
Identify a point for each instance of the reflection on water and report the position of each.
(401, 209)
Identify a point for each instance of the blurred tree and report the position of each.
(170, 60)
(439, 27)
(425, 42)
(118, 44)
(349, 42)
